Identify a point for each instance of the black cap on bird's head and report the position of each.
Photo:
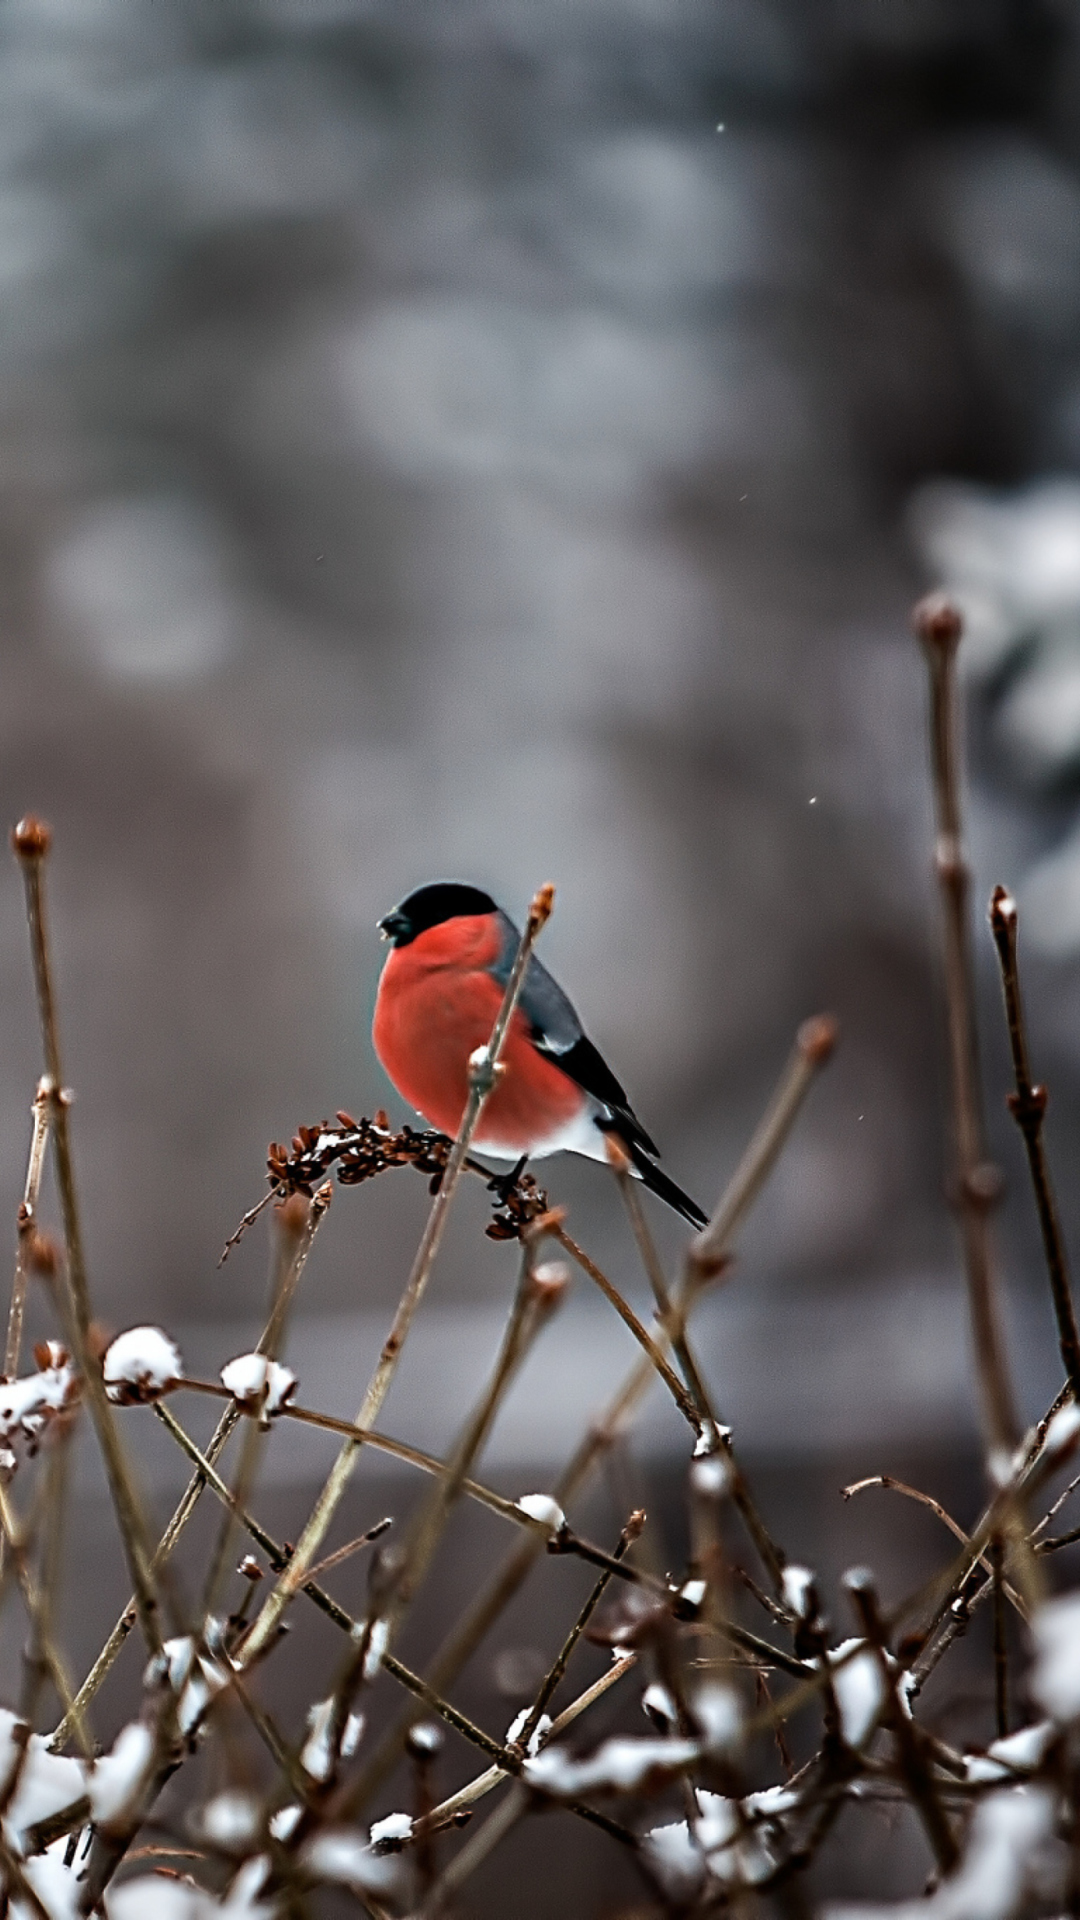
(429, 906)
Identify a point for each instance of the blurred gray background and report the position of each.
(502, 439)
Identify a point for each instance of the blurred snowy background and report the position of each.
(503, 440)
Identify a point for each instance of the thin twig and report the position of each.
(709, 1253)
(413, 1682)
(939, 626)
(533, 1305)
(630, 1319)
(36, 1602)
(291, 1243)
(1001, 1651)
(31, 840)
(913, 1760)
(189, 1499)
(1028, 1108)
(650, 1260)
(558, 1667)
(483, 1077)
(27, 1221)
(890, 1484)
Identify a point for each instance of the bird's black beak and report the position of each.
(393, 925)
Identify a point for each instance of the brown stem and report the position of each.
(27, 1221)
(31, 840)
(939, 626)
(558, 1667)
(189, 1499)
(1028, 1108)
(629, 1318)
(709, 1253)
(483, 1077)
(913, 1761)
(1001, 1656)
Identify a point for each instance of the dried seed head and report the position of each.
(32, 838)
(817, 1037)
(938, 623)
(542, 904)
(51, 1353)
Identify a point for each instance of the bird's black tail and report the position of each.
(664, 1187)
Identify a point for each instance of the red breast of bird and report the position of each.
(437, 1002)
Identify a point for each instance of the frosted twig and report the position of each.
(558, 1667)
(189, 1499)
(31, 840)
(381, 1443)
(483, 1075)
(291, 1243)
(1028, 1108)
(913, 1760)
(709, 1253)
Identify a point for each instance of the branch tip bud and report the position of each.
(542, 903)
(938, 622)
(1003, 915)
(31, 838)
(817, 1037)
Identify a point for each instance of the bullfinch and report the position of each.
(439, 995)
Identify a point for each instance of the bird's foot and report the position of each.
(504, 1184)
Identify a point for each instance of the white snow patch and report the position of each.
(719, 1714)
(1063, 1428)
(260, 1384)
(391, 1831)
(726, 1848)
(797, 1585)
(658, 1705)
(141, 1365)
(317, 1755)
(1055, 1674)
(194, 1677)
(1016, 1753)
(47, 1782)
(284, 1822)
(118, 1779)
(230, 1821)
(343, 1857)
(1004, 1860)
(539, 1734)
(859, 1689)
(378, 1641)
(619, 1765)
(541, 1506)
(711, 1477)
(26, 1404)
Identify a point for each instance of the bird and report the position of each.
(451, 954)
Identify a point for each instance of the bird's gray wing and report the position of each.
(557, 1033)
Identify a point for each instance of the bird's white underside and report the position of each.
(580, 1135)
